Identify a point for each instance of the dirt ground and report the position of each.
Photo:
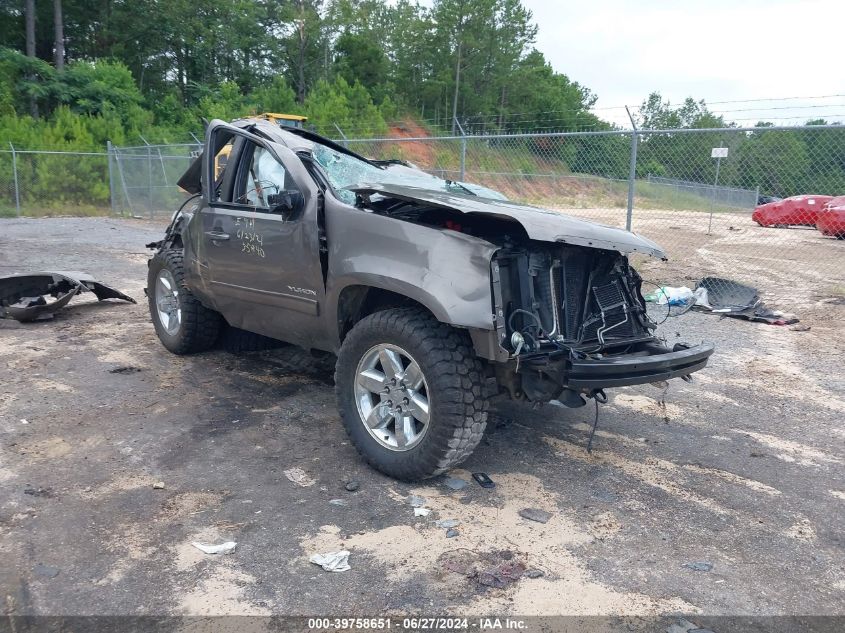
(725, 496)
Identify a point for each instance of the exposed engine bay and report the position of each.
(572, 318)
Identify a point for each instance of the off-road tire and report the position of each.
(458, 407)
(200, 326)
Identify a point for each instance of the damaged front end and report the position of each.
(574, 321)
(569, 318)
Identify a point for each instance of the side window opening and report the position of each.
(261, 178)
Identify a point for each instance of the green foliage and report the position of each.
(347, 106)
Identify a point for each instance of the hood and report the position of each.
(539, 224)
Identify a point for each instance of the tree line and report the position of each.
(76, 73)
(366, 60)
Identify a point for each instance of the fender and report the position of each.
(446, 271)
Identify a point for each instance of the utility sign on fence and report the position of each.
(719, 152)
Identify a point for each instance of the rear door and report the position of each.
(263, 264)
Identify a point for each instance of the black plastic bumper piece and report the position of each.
(652, 364)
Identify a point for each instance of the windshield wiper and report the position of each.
(451, 183)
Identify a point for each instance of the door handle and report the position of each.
(217, 236)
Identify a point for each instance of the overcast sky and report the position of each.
(718, 50)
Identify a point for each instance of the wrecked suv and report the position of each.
(434, 299)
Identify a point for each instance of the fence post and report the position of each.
(345, 142)
(112, 192)
(463, 148)
(149, 177)
(632, 172)
(15, 176)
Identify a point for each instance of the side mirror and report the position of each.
(287, 203)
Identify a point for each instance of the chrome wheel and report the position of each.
(167, 302)
(392, 397)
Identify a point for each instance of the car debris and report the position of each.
(23, 296)
(484, 480)
(299, 477)
(535, 514)
(701, 565)
(455, 483)
(416, 501)
(332, 561)
(223, 548)
(501, 575)
(726, 297)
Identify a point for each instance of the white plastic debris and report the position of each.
(222, 548)
(674, 296)
(24, 421)
(299, 477)
(422, 512)
(416, 501)
(701, 298)
(332, 561)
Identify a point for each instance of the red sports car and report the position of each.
(831, 219)
(797, 210)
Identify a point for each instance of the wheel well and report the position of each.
(357, 302)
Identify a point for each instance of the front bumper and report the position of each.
(652, 363)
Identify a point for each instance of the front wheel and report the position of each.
(410, 393)
(182, 323)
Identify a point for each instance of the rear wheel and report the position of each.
(182, 323)
(410, 393)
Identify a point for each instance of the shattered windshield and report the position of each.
(344, 171)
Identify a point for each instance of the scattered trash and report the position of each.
(699, 566)
(159, 485)
(299, 477)
(501, 575)
(421, 512)
(339, 502)
(452, 533)
(535, 573)
(484, 480)
(679, 296)
(24, 421)
(416, 501)
(126, 369)
(535, 514)
(455, 483)
(447, 523)
(800, 327)
(22, 297)
(332, 561)
(38, 492)
(352, 486)
(47, 571)
(222, 548)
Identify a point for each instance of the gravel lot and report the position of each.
(742, 470)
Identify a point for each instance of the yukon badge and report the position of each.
(302, 291)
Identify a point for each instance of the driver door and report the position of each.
(262, 255)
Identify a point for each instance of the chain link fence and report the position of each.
(145, 178)
(692, 191)
(39, 183)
